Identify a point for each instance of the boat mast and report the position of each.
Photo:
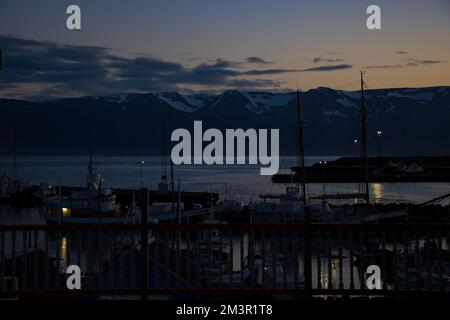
(163, 186)
(14, 173)
(90, 166)
(163, 152)
(301, 146)
(364, 141)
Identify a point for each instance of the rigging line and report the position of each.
(270, 184)
(346, 84)
(354, 133)
(396, 125)
(413, 147)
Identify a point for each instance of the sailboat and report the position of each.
(290, 206)
(366, 215)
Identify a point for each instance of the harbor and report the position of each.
(224, 159)
(138, 242)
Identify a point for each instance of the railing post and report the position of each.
(307, 251)
(144, 242)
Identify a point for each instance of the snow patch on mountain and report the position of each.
(176, 101)
(220, 98)
(343, 100)
(270, 100)
(260, 102)
(351, 94)
(197, 100)
(412, 94)
(329, 113)
(116, 99)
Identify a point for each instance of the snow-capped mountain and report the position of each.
(412, 120)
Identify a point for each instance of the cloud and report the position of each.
(268, 72)
(385, 66)
(68, 68)
(328, 68)
(246, 84)
(410, 63)
(416, 62)
(320, 60)
(53, 70)
(257, 60)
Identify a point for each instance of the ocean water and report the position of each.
(241, 182)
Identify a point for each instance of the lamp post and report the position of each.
(379, 133)
(141, 164)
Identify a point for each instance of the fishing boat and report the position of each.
(288, 207)
(93, 205)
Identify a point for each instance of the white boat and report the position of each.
(289, 208)
(93, 205)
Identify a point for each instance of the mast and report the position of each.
(14, 171)
(163, 187)
(90, 166)
(164, 152)
(364, 141)
(301, 146)
(172, 184)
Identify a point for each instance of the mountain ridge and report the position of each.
(413, 120)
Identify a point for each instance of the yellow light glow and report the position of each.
(65, 212)
(377, 190)
(63, 252)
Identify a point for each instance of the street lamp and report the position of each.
(141, 178)
(379, 133)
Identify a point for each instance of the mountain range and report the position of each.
(405, 121)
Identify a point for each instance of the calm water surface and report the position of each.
(241, 182)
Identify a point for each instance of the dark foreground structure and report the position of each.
(224, 260)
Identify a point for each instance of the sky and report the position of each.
(210, 45)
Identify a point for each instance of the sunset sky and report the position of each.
(206, 45)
